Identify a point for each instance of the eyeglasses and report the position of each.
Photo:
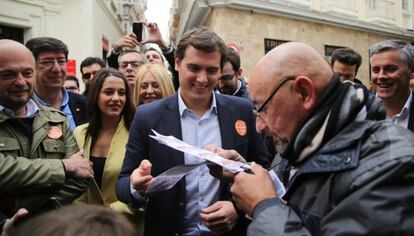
(134, 64)
(88, 75)
(278, 86)
(227, 77)
(50, 62)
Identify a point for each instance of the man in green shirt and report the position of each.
(41, 165)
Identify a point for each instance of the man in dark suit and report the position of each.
(51, 56)
(198, 204)
(392, 67)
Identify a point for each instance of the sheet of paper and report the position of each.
(171, 141)
(170, 177)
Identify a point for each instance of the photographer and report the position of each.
(154, 36)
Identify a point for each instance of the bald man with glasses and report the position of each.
(349, 171)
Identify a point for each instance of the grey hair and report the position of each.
(405, 49)
(128, 51)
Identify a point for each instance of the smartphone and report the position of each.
(138, 30)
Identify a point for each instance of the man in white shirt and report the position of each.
(392, 67)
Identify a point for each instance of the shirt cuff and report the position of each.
(265, 204)
(135, 194)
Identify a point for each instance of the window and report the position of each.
(329, 49)
(405, 4)
(269, 44)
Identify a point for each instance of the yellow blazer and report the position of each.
(107, 195)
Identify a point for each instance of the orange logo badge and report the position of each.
(55, 132)
(241, 127)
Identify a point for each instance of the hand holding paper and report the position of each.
(218, 171)
(141, 177)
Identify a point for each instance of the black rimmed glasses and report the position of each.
(134, 64)
(278, 86)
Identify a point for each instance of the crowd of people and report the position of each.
(326, 156)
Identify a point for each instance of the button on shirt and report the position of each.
(402, 117)
(202, 189)
(64, 107)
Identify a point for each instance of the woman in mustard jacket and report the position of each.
(110, 110)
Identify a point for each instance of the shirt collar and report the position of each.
(31, 110)
(406, 109)
(65, 99)
(182, 107)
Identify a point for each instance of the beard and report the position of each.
(280, 144)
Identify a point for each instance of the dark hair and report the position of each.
(46, 44)
(348, 57)
(90, 61)
(92, 109)
(233, 57)
(77, 220)
(73, 78)
(155, 50)
(201, 39)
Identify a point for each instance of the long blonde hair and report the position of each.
(160, 74)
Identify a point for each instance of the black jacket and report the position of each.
(77, 105)
(360, 183)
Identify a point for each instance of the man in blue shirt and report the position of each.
(51, 56)
(198, 204)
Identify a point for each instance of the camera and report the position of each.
(139, 29)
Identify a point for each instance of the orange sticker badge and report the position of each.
(55, 132)
(241, 127)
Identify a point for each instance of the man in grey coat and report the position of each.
(349, 172)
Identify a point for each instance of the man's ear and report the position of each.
(306, 90)
(177, 63)
(239, 73)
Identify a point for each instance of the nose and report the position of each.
(115, 97)
(149, 90)
(56, 66)
(20, 81)
(202, 76)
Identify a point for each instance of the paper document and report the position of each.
(170, 177)
(171, 141)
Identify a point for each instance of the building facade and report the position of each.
(88, 27)
(257, 26)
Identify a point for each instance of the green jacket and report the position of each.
(31, 174)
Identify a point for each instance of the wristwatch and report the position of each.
(167, 50)
(115, 50)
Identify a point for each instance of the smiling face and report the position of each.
(112, 97)
(16, 76)
(390, 76)
(198, 74)
(51, 70)
(149, 89)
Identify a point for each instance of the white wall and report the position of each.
(80, 24)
